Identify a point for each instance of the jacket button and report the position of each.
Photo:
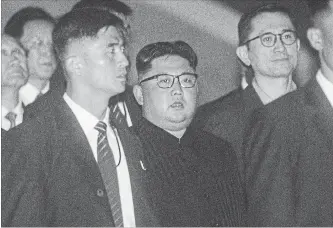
(100, 192)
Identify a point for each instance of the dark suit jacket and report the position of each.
(289, 154)
(50, 176)
(227, 116)
(127, 96)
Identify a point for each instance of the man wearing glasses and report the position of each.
(191, 177)
(268, 47)
(289, 144)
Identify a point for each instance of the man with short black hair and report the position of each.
(191, 176)
(289, 143)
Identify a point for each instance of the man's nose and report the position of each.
(177, 89)
(123, 60)
(279, 45)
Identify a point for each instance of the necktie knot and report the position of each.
(11, 116)
(101, 127)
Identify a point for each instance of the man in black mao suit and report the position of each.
(51, 172)
(289, 145)
(268, 47)
(192, 177)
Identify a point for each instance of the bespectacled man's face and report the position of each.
(280, 60)
(172, 108)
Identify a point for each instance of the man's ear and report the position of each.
(73, 65)
(315, 38)
(243, 54)
(137, 91)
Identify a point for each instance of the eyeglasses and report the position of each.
(186, 80)
(269, 39)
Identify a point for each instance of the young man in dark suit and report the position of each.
(289, 144)
(191, 176)
(128, 107)
(72, 165)
(268, 47)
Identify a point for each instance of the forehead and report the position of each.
(170, 63)
(270, 22)
(110, 33)
(38, 28)
(9, 43)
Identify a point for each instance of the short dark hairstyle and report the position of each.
(245, 25)
(82, 23)
(316, 7)
(152, 51)
(111, 5)
(15, 24)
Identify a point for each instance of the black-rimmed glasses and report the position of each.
(269, 39)
(186, 80)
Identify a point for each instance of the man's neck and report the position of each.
(95, 103)
(274, 88)
(9, 97)
(39, 84)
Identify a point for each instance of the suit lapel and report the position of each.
(251, 99)
(72, 137)
(322, 111)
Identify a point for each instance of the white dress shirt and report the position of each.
(88, 123)
(326, 86)
(266, 98)
(29, 93)
(18, 110)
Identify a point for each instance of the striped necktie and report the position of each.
(117, 117)
(108, 171)
(11, 116)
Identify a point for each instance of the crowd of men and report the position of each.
(81, 147)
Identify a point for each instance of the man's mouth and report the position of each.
(177, 105)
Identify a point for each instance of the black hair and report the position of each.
(245, 25)
(15, 24)
(152, 51)
(82, 23)
(111, 5)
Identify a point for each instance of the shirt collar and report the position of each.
(326, 86)
(29, 92)
(148, 130)
(87, 120)
(18, 110)
(266, 98)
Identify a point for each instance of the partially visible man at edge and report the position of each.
(268, 46)
(289, 144)
(192, 177)
(14, 75)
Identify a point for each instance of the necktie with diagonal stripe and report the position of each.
(11, 116)
(117, 117)
(108, 170)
